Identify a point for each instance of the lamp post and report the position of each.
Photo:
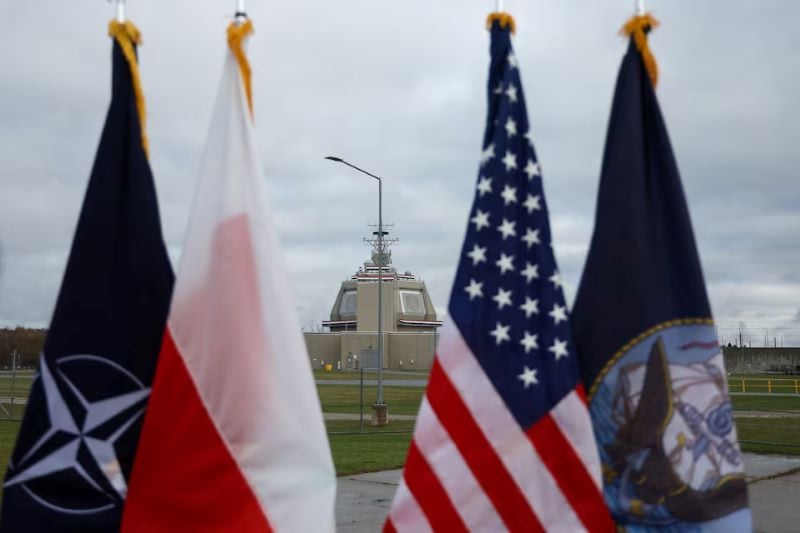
(380, 406)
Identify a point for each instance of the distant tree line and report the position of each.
(27, 341)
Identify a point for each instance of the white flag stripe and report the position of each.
(509, 442)
(572, 418)
(233, 321)
(406, 514)
(453, 473)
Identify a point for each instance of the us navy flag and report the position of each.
(77, 442)
(645, 338)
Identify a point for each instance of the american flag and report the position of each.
(503, 440)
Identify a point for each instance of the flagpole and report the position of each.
(640, 7)
(120, 11)
(240, 9)
(499, 6)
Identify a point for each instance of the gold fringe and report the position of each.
(504, 19)
(236, 35)
(638, 26)
(127, 35)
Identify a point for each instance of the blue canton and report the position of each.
(507, 300)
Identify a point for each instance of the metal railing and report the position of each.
(764, 385)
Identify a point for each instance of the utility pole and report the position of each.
(14, 356)
(741, 342)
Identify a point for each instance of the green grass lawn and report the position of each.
(380, 449)
(355, 454)
(769, 435)
(11, 412)
(345, 398)
(8, 436)
(766, 403)
(21, 386)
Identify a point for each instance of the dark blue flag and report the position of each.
(77, 442)
(645, 337)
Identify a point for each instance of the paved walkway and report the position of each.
(363, 501)
(762, 394)
(766, 414)
(14, 400)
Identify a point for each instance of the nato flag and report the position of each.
(77, 442)
(645, 338)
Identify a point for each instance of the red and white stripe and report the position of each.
(233, 439)
(471, 467)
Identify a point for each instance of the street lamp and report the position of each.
(380, 273)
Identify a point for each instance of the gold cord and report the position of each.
(638, 26)
(504, 19)
(127, 35)
(236, 35)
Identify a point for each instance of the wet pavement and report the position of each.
(363, 500)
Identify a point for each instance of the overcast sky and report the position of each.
(399, 89)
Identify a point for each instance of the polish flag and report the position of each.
(233, 439)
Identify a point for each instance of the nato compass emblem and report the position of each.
(69, 462)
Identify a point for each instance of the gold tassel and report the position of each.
(638, 26)
(127, 35)
(236, 36)
(504, 19)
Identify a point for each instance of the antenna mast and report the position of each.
(380, 246)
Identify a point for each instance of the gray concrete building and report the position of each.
(409, 322)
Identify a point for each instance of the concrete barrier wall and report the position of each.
(411, 351)
(322, 347)
(761, 360)
(406, 351)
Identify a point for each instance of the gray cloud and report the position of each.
(399, 88)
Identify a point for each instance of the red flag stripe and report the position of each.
(478, 453)
(432, 498)
(513, 447)
(570, 473)
(454, 474)
(582, 394)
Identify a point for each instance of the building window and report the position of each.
(349, 303)
(412, 302)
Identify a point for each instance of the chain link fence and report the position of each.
(767, 414)
(14, 389)
(347, 399)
